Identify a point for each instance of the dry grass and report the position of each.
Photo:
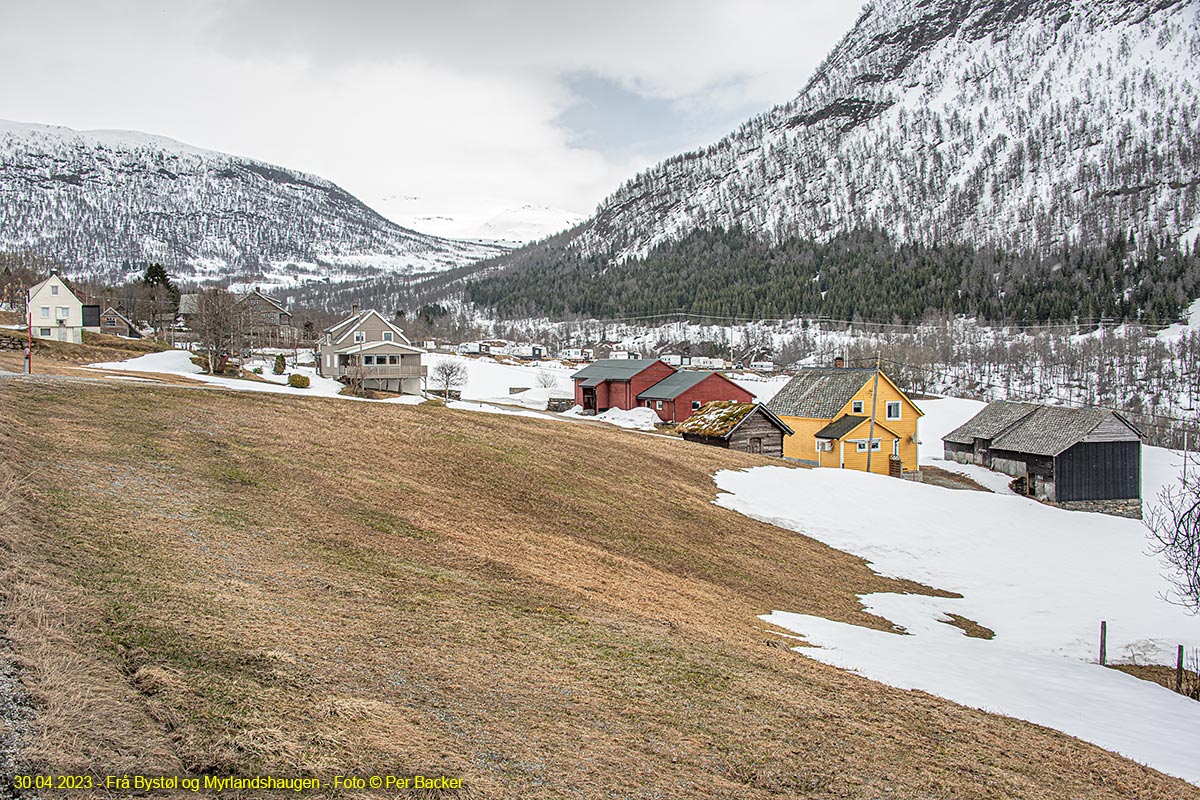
(304, 586)
(969, 627)
(1160, 674)
(936, 476)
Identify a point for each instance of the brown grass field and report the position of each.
(212, 582)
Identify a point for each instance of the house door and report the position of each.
(756, 445)
(589, 399)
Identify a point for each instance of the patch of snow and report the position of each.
(179, 362)
(641, 419)
(1177, 331)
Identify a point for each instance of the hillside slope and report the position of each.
(259, 584)
(100, 201)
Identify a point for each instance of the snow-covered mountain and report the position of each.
(101, 201)
(1005, 122)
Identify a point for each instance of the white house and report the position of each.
(55, 312)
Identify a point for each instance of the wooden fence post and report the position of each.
(1179, 670)
(1103, 642)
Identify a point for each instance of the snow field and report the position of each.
(1041, 578)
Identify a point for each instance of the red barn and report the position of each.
(678, 396)
(651, 383)
(617, 382)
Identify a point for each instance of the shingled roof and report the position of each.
(674, 385)
(718, 419)
(614, 369)
(992, 420)
(1050, 430)
(818, 392)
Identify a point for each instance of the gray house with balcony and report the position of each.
(367, 350)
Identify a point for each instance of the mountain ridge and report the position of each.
(104, 201)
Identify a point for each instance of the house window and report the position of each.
(695, 405)
(393, 359)
(856, 407)
(368, 359)
(110, 321)
(45, 312)
(53, 289)
(658, 405)
(63, 312)
(893, 409)
(43, 331)
(387, 336)
(862, 446)
(359, 337)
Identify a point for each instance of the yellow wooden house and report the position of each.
(829, 412)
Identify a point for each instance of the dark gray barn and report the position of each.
(748, 427)
(1083, 458)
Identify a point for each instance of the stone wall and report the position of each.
(1117, 508)
(13, 343)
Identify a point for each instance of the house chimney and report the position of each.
(839, 362)
(354, 310)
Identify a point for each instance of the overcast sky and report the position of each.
(470, 106)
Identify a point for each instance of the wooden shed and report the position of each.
(1081, 458)
(749, 427)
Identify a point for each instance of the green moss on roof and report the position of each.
(715, 419)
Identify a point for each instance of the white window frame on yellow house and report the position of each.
(860, 445)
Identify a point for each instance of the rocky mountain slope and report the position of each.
(1021, 124)
(102, 202)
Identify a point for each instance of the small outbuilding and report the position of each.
(114, 323)
(748, 427)
(1081, 458)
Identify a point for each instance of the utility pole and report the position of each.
(874, 404)
(29, 332)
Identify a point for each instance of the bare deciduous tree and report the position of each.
(217, 325)
(546, 379)
(1175, 535)
(448, 374)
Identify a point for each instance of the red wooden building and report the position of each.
(651, 383)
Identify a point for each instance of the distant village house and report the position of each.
(114, 323)
(54, 312)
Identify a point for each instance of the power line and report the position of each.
(1029, 394)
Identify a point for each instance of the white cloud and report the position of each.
(466, 105)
